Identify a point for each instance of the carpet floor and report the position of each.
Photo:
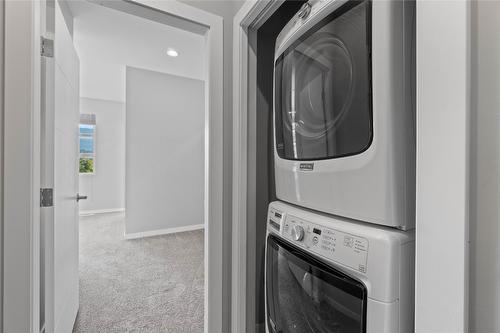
(152, 284)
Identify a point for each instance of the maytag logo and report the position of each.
(306, 166)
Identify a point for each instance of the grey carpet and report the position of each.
(151, 284)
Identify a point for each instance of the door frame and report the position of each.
(21, 166)
(449, 179)
(442, 211)
(21, 162)
(245, 24)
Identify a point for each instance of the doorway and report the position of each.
(212, 210)
(129, 105)
(141, 229)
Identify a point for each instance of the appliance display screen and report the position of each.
(304, 295)
(323, 89)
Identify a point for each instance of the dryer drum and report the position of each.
(321, 90)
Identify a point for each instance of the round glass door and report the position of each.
(321, 86)
(304, 295)
(323, 89)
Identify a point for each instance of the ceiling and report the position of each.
(108, 40)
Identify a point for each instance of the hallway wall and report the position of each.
(485, 169)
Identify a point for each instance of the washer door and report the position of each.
(323, 88)
(304, 295)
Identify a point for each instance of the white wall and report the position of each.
(442, 212)
(164, 152)
(107, 40)
(106, 187)
(485, 169)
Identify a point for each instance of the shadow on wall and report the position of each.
(485, 168)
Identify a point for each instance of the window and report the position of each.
(87, 143)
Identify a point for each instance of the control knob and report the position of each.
(297, 233)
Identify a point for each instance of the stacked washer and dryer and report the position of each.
(340, 242)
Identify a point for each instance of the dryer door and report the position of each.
(323, 105)
(304, 295)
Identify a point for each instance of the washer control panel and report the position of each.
(344, 248)
(274, 219)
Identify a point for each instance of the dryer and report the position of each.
(344, 110)
(326, 274)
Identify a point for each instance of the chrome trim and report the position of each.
(296, 27)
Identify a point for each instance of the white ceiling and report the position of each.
(107, 40)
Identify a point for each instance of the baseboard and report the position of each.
(101, 211)
(163, 231)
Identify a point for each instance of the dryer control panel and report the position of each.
(335, 245)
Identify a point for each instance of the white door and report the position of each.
(60, 163)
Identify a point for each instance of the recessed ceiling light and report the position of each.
(172, 53)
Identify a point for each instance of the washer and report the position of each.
(344, 111)
(329, 275)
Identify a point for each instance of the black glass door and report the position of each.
(305, 295)
(323, 106)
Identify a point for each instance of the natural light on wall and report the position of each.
(87, 143)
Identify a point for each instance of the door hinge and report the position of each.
(46, 197)
(46, 47)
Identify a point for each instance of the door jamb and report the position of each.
(442, 210)
(248, 19)
(21, 162)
